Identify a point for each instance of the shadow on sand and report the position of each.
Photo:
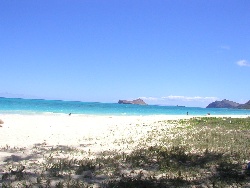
(152, 167)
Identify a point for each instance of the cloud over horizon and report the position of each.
(180, 100)
(186, 98)
(243, 63)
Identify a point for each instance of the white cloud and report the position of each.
(180, 100)
(243, 63)
(186, 98)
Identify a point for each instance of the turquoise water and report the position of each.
(33, 106)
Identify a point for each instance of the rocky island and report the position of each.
(228, 104)
(137, 101)
(245, 106)
(223, 104)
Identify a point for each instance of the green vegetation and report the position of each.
(200, 152)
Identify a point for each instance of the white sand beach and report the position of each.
(76, 130)
(32, 140)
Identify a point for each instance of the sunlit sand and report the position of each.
(34, 143)
(75, 130)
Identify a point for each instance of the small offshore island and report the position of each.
(229, 104)
(136, 101)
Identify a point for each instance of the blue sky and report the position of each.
(167, 52)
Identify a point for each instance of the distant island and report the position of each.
(136, 101)
(228, 104)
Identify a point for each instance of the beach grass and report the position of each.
(196, 152)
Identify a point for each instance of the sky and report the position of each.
(167, 52)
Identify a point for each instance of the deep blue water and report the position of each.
(31, 106)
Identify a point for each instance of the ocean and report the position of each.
(38, 106)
